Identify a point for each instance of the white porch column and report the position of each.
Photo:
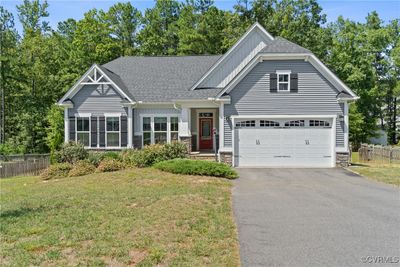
(184, 127)
(221, 125)
(130, 128)
(346, 126)
(66, 125)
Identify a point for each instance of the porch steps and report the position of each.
(202, 156)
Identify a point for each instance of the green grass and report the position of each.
(382, 172)
(197, 167)
(138, 216)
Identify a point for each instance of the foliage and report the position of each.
(151, 154)
(55, 171)
(55, 130)
(95, 157)
(110, 165)
(197, 167)
(111, 155)
(82, 167)
(71, 152)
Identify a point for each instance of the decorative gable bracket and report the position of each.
(94, 76)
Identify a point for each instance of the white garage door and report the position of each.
(284, 143)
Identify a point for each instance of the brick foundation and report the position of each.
(342, 159)
(226, 157)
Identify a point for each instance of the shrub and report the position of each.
(109, 165)
(197, 167)
(71, 152)
(152, 154)
(111, 155)
(82, 167)
(58, 170)
(95, 158)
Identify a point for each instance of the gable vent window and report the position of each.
(83, 130)
(297, 123)
(251, 123)
(283, 82)
(318, 123)
(264, 123)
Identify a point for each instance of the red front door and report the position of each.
(206, 139)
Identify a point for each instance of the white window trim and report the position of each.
(117, 115)
(283, 72)
(90, 128)
(152, 131)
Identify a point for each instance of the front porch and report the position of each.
(200, 129)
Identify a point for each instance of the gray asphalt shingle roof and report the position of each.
(281, 45)
(167, 78)
(161, 79)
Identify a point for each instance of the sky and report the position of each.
(356, 10)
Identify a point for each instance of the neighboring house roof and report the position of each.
(281, 45)
(161, 79)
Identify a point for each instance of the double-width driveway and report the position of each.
(315, 217)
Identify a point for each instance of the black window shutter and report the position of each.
(273, 83)
(71, 129)
(124, 131)
(294, 83)
(102, 131)
(93, 131)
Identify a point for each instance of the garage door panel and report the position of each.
(284, 147)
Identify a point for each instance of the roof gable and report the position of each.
(97, 75)
(238, 56)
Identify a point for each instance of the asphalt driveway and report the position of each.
(315, 217)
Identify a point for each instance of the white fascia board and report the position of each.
(230, 51)
(74, 89)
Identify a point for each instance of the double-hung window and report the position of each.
(174, 128)
(113, 131)
(160, 130)
(283, 81)
(83, 130)
(146, 130)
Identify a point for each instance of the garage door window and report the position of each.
(264, 123)
(243, 124)
(297, 123)
(318, 123)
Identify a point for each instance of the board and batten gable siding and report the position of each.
(252, 96)
(97, 100)
(238, 59)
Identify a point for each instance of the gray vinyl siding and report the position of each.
(151, 111)
(237, 60)
(97, 100)
(315, 96)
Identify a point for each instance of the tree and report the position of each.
(159, 33)
(124, 20)
(55, 129)
(8, 51)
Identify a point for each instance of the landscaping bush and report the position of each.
(95, 158)
(152, 154)
(109, 165)
(71, 152)
(197, 167)
(58, 170)
(82, 167)
(111, 155)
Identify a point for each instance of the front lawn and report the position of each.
(387, 173)
(137, 216)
